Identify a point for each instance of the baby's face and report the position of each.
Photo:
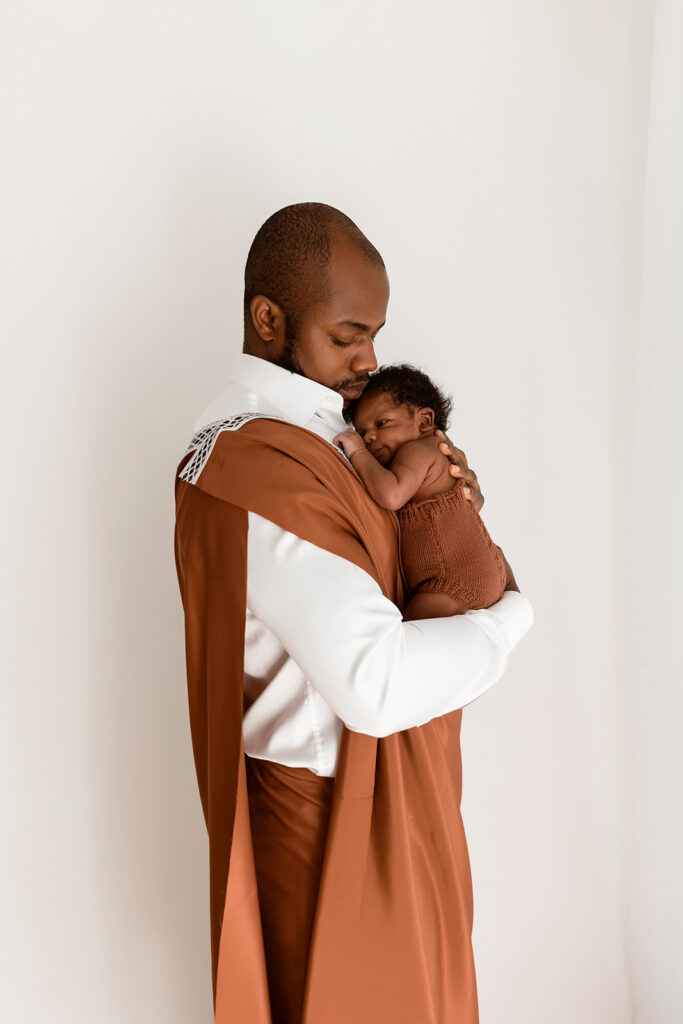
(384, 425)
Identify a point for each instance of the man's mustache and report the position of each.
(351, 383)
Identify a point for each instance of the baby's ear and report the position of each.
(425, 418)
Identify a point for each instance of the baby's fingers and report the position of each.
(344, 435)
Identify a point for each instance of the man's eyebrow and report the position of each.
(359, 327)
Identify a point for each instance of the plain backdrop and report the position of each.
(516, 162)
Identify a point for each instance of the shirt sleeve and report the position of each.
(379, 674)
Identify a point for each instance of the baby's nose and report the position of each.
(369, 436)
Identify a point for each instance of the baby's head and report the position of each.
(399, 404)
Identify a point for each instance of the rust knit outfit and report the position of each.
(446, 549)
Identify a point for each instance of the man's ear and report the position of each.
(425, 419)
(268, 320)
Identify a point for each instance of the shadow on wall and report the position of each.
(162, 341)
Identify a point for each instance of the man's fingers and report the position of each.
(475, 497)
(459, 468)
(468, 476)
(455, 454)
(470, 485)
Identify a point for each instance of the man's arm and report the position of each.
(379, 674)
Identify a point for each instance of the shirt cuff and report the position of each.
(506, 621)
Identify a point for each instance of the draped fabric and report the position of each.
(393, 920)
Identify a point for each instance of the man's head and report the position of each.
(315, 295)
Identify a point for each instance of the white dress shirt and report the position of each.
(323, 645)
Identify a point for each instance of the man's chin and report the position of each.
(350, 392)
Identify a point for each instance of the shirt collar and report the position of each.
(297, 398)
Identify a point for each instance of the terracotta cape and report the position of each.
(392, 930)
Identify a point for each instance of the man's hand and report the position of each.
(350, 441)
(459, 468)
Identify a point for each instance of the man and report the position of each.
(325, 729)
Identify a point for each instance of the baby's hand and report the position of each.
(350, 441)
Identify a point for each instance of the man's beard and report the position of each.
(287, 358)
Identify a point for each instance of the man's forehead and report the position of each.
(358, 292)
(358, 325)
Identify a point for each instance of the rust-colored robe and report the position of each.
(392, 930)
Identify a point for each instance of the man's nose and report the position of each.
(364, 360)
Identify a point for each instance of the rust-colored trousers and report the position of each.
(289, 810)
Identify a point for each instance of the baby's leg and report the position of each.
(432, 606)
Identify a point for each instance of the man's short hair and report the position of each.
(290, 255)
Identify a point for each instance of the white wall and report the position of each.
(494, 153)
(653, 704)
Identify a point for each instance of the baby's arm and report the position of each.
(391, 488)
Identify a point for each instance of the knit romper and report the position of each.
(446, 549)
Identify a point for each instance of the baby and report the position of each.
(449, 561)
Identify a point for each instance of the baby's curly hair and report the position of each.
(410, 386)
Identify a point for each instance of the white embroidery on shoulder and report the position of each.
(203, 441)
